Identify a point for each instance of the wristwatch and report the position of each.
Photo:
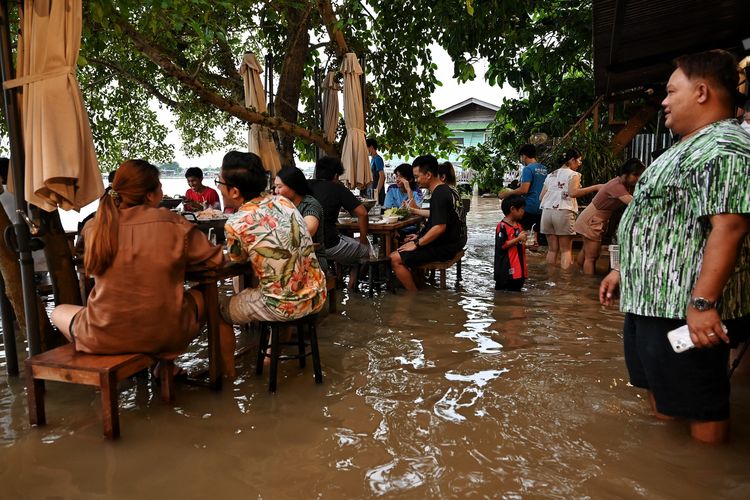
(416, 242)
(702, 304)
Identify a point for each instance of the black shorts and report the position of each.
(512, 285)
(529, 220)
(425, 254)
(693, 384)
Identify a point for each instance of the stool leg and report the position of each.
(35, 394)
(274, 358)
(301, 344)
(458, 270)
(262, 346)
(370, 280)
(166, 375)
(110, 414)
(315, 352)
(442, 279)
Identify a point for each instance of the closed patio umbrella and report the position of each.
(61, 169)
(330, 106)
(259, 138)
(354, 155)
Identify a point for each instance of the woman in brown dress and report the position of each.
(593, 221)
(138, 255)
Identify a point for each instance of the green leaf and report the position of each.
(273, 253)
(296, 236)
(286, 273)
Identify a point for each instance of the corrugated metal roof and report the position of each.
(467, 125)
(636, 40)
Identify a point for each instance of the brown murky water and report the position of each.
(442, 394)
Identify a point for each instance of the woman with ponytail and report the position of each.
(560, 207)
(138, 255)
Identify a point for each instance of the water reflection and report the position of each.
(439, 394)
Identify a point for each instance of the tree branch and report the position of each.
(139, 81)
(158, 56)
(329, 19)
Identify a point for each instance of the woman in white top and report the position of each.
(560, 207)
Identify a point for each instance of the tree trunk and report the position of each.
(290, 79)
(60, 260)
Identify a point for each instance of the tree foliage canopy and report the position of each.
(137, 55)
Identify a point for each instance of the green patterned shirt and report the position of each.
(663, 231)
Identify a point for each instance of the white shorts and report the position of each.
(558, 222)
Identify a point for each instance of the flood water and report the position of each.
(441, 394)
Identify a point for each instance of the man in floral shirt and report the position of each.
(268, 232)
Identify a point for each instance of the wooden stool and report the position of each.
(331, 289)
(271, 328)
(442, 266)
(383, 278)
(64, 364)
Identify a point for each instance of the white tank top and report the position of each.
(558, 184)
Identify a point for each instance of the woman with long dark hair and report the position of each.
(138, 255)
(405, 192)
(593, 222)
(290, 182)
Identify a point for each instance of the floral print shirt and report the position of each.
(270, 233)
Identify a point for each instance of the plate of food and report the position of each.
(399, 213)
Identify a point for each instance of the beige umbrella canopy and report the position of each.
(259, 138)
(61, 166)
(330, 106)
(354, 155)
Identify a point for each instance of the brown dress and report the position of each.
(139, 304)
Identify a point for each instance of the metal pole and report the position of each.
(362, 81)
(269, 83)
(23, 235)
(9, 332)
(318, 106)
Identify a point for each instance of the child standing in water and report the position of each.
(510, 252)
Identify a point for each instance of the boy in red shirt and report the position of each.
(199, 197)
(510, 252)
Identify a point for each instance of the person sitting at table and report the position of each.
(333, 195)
(138, 255)
(268, 232)
(405, 192)
(443, 236)
(290, 182)
(199, 197)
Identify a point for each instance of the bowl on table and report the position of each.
(368, 204)
(170, 203)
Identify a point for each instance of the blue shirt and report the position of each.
(376, 166)
(394, 197)
(535, 173)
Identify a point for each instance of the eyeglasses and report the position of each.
(219, 182)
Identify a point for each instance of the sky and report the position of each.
(449, 94)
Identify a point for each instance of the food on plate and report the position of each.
(210, 213)
(396, 212)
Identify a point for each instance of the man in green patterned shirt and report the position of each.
(684, 250)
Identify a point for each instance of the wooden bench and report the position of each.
(442, 266)
(64, 364)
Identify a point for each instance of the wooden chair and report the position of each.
(270, 330)
(442, 266)
(64, 364)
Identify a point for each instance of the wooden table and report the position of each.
(387, 231)
(208, 280)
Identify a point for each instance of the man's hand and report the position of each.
(609, 287)
(409, 246)
(706, 329)
(410, 237)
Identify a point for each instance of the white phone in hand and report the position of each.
(680, 339)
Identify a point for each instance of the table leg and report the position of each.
(211, 294)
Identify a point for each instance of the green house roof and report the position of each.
(467, 125)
